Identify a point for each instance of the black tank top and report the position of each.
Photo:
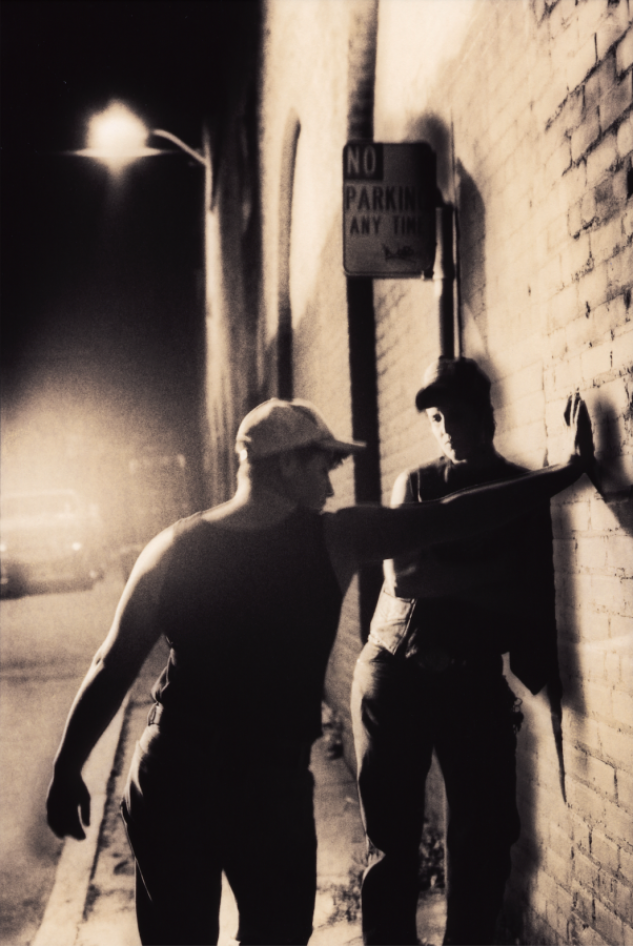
(250, 618)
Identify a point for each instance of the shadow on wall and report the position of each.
(471, 263)
(610, 476)
(458, 188)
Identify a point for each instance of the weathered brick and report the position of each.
(603, 157)
(593, 288)
(625, 135)
(582, 900)
(620, 188)
(592, 551)
(586, 801)
(600, 83)
(624, 52)
(617, 101)
(559, 161)
(603, 517)
(622, 631)
(623, 352)
(620, 552)
(625, 785)
(620, 269)
(615, 747)
(561, 15)
(587, 936)
(606, 201)
(553, 865)
(584, 136)
(580, 64)
(623, 899)
(611, 29)
(598, 699)
(612, 593)
(626, 864)
(596, 361)
(577, 516)
(575, 221)
(607, 924)
(580, 832)
(598, 775)
(559, 903)
(575, 257)
(605, 851)
(589, 17)
(606, 239)
(571, 114)
(613, 667)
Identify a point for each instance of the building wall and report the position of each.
(304, 99)
(527, 104)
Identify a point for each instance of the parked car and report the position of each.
(51, 537)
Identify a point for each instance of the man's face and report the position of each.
(308, 480)
(457, 426)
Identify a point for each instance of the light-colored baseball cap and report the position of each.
(276, 426)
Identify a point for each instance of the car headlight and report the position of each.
(76, 546)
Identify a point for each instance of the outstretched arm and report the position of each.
(422, 574)
(134, 632)
(375, 533)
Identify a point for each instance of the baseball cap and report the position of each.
(453, 377)
(276, 426)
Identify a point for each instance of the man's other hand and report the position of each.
(68, 806)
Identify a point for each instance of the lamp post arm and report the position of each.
(190, 151)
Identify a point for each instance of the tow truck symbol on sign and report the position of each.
(401, 253)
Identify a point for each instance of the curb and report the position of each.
(65, 908)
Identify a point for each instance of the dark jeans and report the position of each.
(401, 713)
(192, 813)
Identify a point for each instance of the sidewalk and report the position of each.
(92, 902)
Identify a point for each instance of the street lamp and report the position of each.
(117, 136)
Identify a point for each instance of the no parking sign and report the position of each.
(389, 199)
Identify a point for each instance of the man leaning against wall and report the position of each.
(430, 678)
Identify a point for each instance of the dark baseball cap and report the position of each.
(453, 377)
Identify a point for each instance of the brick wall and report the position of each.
(528, 106)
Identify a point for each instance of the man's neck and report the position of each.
(482, 459)
(254, 505)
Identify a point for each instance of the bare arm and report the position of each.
(114, 668)
(371, 533)
(423, 574)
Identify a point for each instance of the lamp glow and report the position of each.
(117, 137)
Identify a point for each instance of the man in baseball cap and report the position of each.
(276, 426)
(430, 678)
(248, 594)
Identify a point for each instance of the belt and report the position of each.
(280, 752)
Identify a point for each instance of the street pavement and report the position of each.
(92, 903)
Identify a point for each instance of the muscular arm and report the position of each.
(134, 632)
(424, 575)
(370, 533)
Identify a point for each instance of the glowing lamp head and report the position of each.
(117, 136)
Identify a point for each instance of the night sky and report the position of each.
(102, 283)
